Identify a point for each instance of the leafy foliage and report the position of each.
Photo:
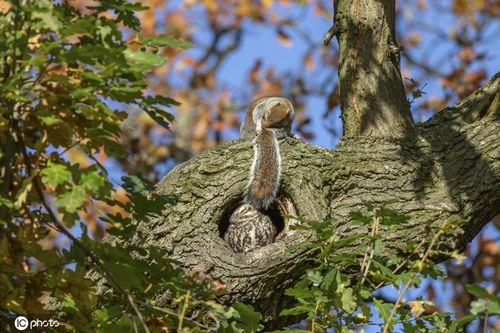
(330, 298)
(69, 75)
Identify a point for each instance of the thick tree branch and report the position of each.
(483, 102)
(447, 169)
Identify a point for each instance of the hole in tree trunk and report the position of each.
(276, 216)
(281, 207)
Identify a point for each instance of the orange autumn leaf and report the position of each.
(308, 61)
(4, 6)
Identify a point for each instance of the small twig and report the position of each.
(334, 29)
(422, 242)
(135, 327)
(365, 266)
(172, 313)
(183, 311)
(410, 281)
(485, 322)
(313, 322)
(132, 303)
(68, 148)
(98, 163)
(216, 321)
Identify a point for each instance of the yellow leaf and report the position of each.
(33, 42)
(416, 307)
(23, 193)
(211, 5)
(267, 3)
(419, 307)
(459, 258)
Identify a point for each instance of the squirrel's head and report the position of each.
(272, 112)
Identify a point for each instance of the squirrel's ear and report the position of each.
(278, 114)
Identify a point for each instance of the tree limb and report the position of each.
(439, 172)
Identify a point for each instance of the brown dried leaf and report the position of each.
(308, 61)
(283, 38)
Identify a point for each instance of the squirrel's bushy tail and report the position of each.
(265, 171)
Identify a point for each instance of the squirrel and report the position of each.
(267, 120)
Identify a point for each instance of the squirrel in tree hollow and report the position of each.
(267, 120)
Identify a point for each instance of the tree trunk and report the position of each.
(445, 169)
(372, 95)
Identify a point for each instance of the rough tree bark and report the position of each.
(445, 169)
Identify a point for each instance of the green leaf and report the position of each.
(382, 308)
(359, 218)
(315, 277)
(22, 194)
(459, 323)
(71, 200)
(478, 306)
(128, 270)
(93, 77)
(328, 279)
(45, 256)
(392, 217)
(82, 93)
(55, 174)
(69, 302)
(134, 184)
(348, 301)
(162, 117)
(125, 94)
(378, 245)
(92, 182)
(494, 307)
(104, 31)
(48, 118)
(6, 202)
(49, 21)
(346, 241)
(161, 100)
(81, 25)
(296, 310)
(477, 291)
(165, 40)
(248, 316)
(144, 61)
(299, 291)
